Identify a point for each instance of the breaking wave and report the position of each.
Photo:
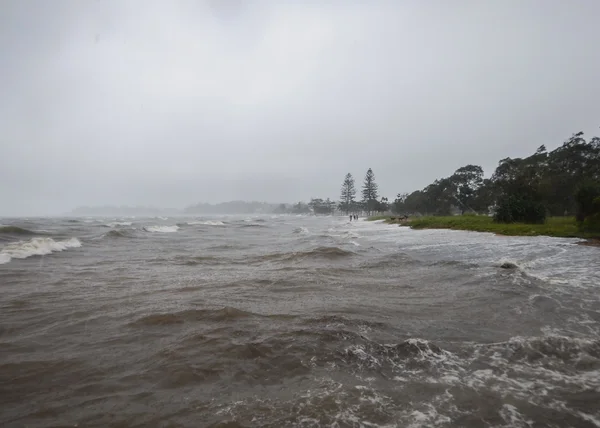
(447, 385)
(381, 335)
(118, 223)
(206, 223)
(347, 234)
(161, 229)
(35, 247)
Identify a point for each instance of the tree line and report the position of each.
(562, 182)
(369, 203)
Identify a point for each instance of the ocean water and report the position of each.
(275, 321)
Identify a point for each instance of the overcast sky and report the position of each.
(169, 103)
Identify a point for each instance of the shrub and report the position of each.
(591, 222)
(513, 208)
(588, 204)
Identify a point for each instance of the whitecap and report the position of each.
(161, 229)
(118, 223)
(35, 247)
(206, 223)
(302, 231)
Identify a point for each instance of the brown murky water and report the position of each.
(293, 321)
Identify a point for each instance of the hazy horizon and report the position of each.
(169, 104)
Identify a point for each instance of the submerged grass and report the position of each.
(564, 227)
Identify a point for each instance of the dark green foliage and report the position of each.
(348, 194)
(588, 207)
(519, 209)
(467, 181)
(520, 189)
(319, 206)
(382, 205)
(370, 192)
(399, 204)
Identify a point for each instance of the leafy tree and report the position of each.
(301, 208)
(484, 197)
(467, 179)
(382, 205)
(519, 191)
(439, 197)
(552, 176)
(319, 206)
(330, 206)
(399, 204)
(370, 191)
(568, 167)
(588, 206)
(518, 208)
(415, 202)
(348, 194)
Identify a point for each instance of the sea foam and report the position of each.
(35, 247)
(118, 223)
(206, 223)
(161, 229)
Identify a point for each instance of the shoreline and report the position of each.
(590, 242)
(556, 227)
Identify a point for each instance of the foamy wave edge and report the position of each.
(118, 223)
(161, 229)
(206, 223)
(35, 247)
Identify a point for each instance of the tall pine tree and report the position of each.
(370, 192)
(348, 194)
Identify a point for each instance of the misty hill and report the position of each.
(124, 211)
(232, 207)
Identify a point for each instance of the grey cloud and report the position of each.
(171, 103)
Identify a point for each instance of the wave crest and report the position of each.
(252, 225)
(206, 223)
(550, 350)
(35, 247)
(161, 229)
(118, 223)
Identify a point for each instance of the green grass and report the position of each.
(564, 227)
